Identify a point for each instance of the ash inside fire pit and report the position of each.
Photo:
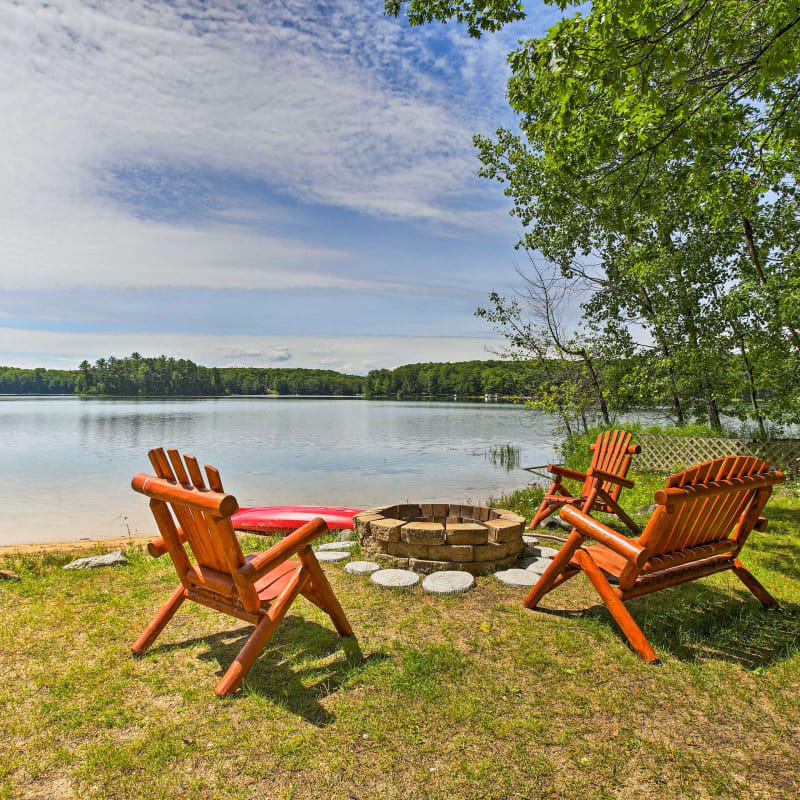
(428, 537)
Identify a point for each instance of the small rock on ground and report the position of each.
(517, 577)
(345, 536)
(647, 509)
(395, 578)
(448, 582)
(336, 546)
(362, 567)
(115, 559)
(530, 541)
(332, 555)
(555, 522)
(8, 575)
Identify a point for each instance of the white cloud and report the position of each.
(271, 353)
(339, 108)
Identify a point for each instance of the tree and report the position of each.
(659, 140)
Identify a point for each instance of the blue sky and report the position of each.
(248, 183)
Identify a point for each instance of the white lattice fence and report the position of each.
(662, 453)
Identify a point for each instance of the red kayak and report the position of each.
(279, 519)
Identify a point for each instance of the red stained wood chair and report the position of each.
(257, 588)
(702, 520)
(611, 457)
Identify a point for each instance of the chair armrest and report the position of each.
(594, 472)
(588, 526)
(761, 524)
(280, 552)
(564, 472)
(158, 547)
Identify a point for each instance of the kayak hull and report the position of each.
(282, 519)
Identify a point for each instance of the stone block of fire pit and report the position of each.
(406, 550)
(422, 533)
(386, 530)
(505, 530)
(451, 552)
(426, 566)
(361, 523)
(466, 533)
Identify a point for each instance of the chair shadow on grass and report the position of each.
(297, 668)
(696, 622)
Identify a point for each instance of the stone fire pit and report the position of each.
(428, 537)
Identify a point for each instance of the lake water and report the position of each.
(66, 462)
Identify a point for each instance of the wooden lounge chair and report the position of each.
(701, 523)
(611, 457)
(258, 588)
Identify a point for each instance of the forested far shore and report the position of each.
(170, 377)
(465, 378)
(173, 377)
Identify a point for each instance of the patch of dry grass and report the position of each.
(468, 697)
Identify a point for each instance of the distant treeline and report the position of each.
(164, 376)
(467, 378)
(15, 380)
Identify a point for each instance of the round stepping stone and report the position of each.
(361, 567)
(332, 555)
(336, 546)
(541, 552)
(517, 577)
(530, 541)
(537, 565)
(395, 578)
(448, 582)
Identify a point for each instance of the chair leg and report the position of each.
(545, 510)
(748, 579)
(615, 507)
(617, 608)
(547, 507)
(568, 573)
(324, 593)
(232, 679)
(159, 621)
(551, 575)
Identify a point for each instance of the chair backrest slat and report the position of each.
(214, 480)
(719, 496)
(194, 471)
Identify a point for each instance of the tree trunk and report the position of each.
(665, 351)
(751, 246)
(748, 368)
(564, 418)
(601, 400)
(712, 411)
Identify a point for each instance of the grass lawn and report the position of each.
(456, 697)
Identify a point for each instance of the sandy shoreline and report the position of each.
(79, 546)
